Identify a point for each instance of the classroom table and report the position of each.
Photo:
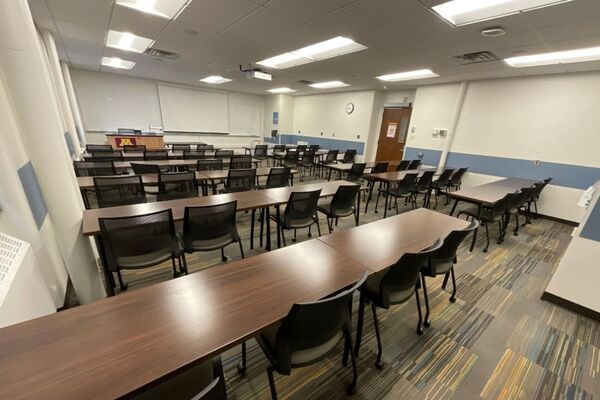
(173, 163)
(139, 155)
(487, 194)
(341, 167)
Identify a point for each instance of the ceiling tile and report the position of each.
(304, 10)
(573, 11)
(342, 23)
(125, 19)
(89, 12)
(586, 28)
(261, 25)
(81, 33)
(381, 10)
(511, 40)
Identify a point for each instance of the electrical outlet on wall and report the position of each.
(321, 133)
(358, 136)
(333, 134)
(537, 163)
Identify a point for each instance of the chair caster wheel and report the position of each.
(351, 390)
(452, 299)
(485, 250)
(419, 331)
(224, 258)
(176, 275)
(241, 368)
(379, 365)
(376, 212)
(516, 234)
(426, 324)
(310, 235)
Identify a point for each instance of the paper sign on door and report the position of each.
(391, 132)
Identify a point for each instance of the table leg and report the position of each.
(109, 279)
(268, 220)
(359, 323)
(454, 207)
(476, 229)
(387, 188)
(329, 175)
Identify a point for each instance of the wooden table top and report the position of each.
(381, 243)
(170, 163)
(281, 195)
(223, 173)
(396, 176)
(109, 348)
(140, 154)
(489, 193)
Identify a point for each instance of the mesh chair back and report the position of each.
(139, 169)
(444, 177)
(528, 193)
(181, 146)
(457, 176)
(90, 148)
(344, 200)
(240, 162)
(414, 164)
(193, 154)
(209, 165)
(424, 181)
(403, 165)
(224, 153)
(403, 275)
(107, 156)
(349, 156)
(332, 156)
(380, 167)
(301, 148)
(407, 184)
(499, 208)
(128, 148)
(138, 235)
(356, 172)
(308, 158)
(314, 147)
(447, 252)
(260, 151)
(515, 202)
(310, 325)
(156, 155)
(240, 180)
(177, 185)
(94, 168)
(119, 190)
(290, 160)
(301, 207)
(279, 148)
(540, 187)
(208, 223)
(205, 147)
(278, 177)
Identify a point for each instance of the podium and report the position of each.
(153, 141)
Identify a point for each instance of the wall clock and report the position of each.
(349, 108)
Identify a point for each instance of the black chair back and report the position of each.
(444, 177)
(380, 167)
(240, 162)
(414, 164)
(208, 223)
(407, 184)
(223, 153)
(181, 146)
(456, 179)
(424, 181)
(331, 156)
(540, 187)
(94, 168)
(314, 147)
(349, 156)
(128, 148)
(240, 180)
(177, 185)
(344, 200)
(500, 207)
(278, 177)
(113, 155)
(193, 154)
(308, 158)
(356, 172)
(139, 169)
(443, 258)
(209, 165)
(119, 190)
(205, 147)
(156, 155)
(90, 148)
(403, 165)
(301, 208)
(290, 160)
(260, 151)
(301, 148)
(279, 148)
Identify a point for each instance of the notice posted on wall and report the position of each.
(391, 131)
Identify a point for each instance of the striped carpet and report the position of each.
(498, 341)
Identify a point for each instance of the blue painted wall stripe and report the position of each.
(325, 143)
(574, 176)
(591, 229)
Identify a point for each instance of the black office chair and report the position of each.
(456, 179)
(516, 205)
(277, 155)
(343, 204)
(301, 148)
(442, 185)
(307, 162)
(278, 177)
(194, 154)
(414, 164)
(403, 165)
(290, 160)
(210, 228)
(401, 190)
(94, 168)
(330, 158)
(203, 381)
(132, 148)
(539, 187)
(113, 155)
(90, 148)
(224, 153)
(140, 169)
(205, 147)
(153, 155)
(349, 156)
(240, 162)
(210, 165)
(181, 147)
(394, 285)
(177, 185)
(309, 333)
(442, 262)
(379, 168)
(140, 241)
(119, 190)
(240, 180)
(260, 152)
(314, 147)
(300, 212)
(423, 186)
(356, 172)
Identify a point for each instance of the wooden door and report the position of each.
(392, 135)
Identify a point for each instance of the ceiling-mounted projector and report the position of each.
(256, 73)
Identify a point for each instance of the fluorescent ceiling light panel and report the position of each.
(281, 90)
(127, 41)
(319, 51)
(558, 57)
(407, 76)
(215, 79)
(328, 85)
(463, 12)
(161, 8)
(115, 62)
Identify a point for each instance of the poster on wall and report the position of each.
(275, 118)
(391, 131)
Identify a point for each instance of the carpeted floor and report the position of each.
(498, 341)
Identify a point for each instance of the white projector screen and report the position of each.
(188, 110)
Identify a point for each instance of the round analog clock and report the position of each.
(349, 108)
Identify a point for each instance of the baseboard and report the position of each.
(555, 219)
(569, 305)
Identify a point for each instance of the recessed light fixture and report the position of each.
(116, 62)
(409, 75)
(281, 90)
(216, 79)
(127, 41)
(463, 12)
(161, 8)
(558, 57)
(319, 51)
(328, 85)
(493, 32)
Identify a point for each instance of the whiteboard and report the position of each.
(244, 118)
(189, 110)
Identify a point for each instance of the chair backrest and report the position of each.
(240, 162)
(344, 199)
(128, 148)
(224, 153)
(156, 155)
(414, 164)
(90, 148)
(209, 165)
(94, 168)
(301, 148)
(204, 147)
(380, 167)
(278, 177)
(119, 190)
(308, 157)
(402, 276)
(209, 222)
(500, 207)
(177, 185)
(314, 325)
(403, 165)
(445, 177)
(457, 176)
(290, 159)
(113, 155)
(240, 180)
(279, 148)
(261, 150)
(137, 235)
(540, 187)
(139, 169)
(193, 154)
(301, 205)
(425, 180)
(314, 147)
(181, 146)
(332, 156)
(447, 252)
(349, 156)
(356, 172)
(407, 184)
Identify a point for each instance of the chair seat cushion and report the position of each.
(144, 260)
(325, 207)
(212, 244)
(437, 267)
(373, 286)
(294, 222)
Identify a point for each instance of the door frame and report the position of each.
(387, 106)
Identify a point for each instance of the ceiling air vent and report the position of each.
(305, 82)
(162, 54)
(476, 58)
